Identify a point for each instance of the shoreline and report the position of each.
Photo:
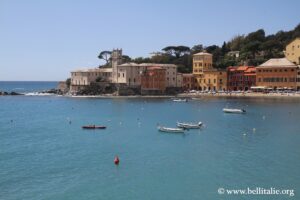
(181, 95)
(195, 95)
(240, 95)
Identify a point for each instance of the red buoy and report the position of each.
(116, 160)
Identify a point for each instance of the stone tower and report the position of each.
(202, 62)
(116, 59)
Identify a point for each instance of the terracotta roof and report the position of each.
(277, 62)
(250, 70)
(242, 68)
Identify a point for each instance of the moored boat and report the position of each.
(234, 110)
(170, 130)
(93, 127)
(189, 125)
(180, 100)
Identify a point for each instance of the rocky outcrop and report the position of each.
(53, 91)
(98, 89)
(9, 93)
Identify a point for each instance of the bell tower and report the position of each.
(116, 59)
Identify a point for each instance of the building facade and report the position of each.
(116, 59)
(277, 73)
(241, 78)
(153, 81)
(292, 51)
(179, 80)
(207, 77)
(202, 62)
(189, 82)
(213, 80)
(84, 77)
(130, 73)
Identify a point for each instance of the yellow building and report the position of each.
(208, 78)
(292, 51)
(202, 62)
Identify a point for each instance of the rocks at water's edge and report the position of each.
(9, 93)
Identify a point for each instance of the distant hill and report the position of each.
(253, 49)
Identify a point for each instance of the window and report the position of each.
(134, 80)
(123, 75)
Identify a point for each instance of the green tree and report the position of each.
(197, 48)
(105, 55)
(126, 58)
(176, 51)
(236, 43)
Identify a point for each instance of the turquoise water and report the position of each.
(43, 156)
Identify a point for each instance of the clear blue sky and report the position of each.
(45, 40)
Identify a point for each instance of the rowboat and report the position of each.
(170, 130)
(180, 100)
(93, 127)
(189, 125)
(233, 110)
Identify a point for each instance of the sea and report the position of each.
(45, 154)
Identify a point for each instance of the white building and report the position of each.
(83, 77)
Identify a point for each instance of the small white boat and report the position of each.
(170, 130)
(189, 125)
(234, 110)
(180, 100)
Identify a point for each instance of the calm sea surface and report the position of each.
(27, 86)
(43, 156)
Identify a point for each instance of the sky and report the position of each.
(45, 40)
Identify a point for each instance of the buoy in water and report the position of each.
(116, 160)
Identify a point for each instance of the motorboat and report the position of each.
(234, 110)
(189, 125)
(170, 130)
(93, 127)
(180, 100)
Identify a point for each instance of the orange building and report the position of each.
(153, 81)
(241, 78)
(189, 82)
(277, 73)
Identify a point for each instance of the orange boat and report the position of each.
(93, 127)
